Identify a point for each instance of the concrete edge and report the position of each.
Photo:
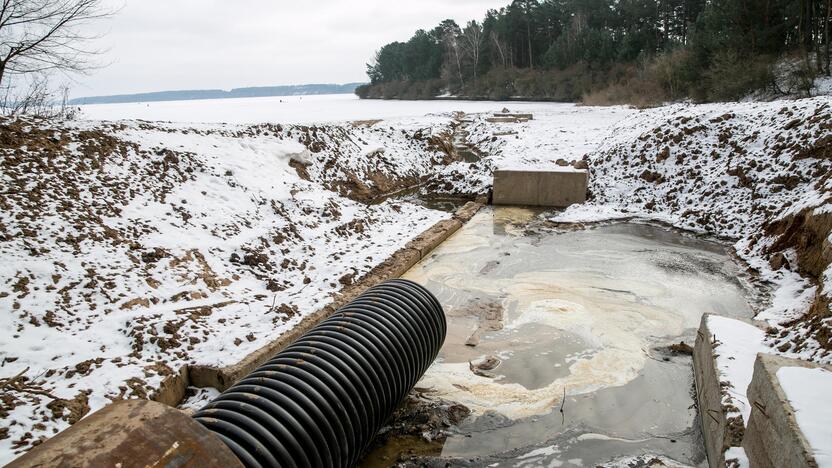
(773, 437)
(718, 430)
(708, 395)
(132, 433)
(396, 265)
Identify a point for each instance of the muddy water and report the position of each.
(556, 339)
(465, 151)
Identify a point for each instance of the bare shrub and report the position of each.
(732, 77)
(796, 75)
(639, 86)
(36, 98)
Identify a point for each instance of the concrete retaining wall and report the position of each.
(718, 434)
(554, 188)
(773, 438)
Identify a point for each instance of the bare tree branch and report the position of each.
(40, 35)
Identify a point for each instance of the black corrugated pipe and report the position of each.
(321, 401)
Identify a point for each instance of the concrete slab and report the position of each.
(773, 437)
(132, 433)
(515, 116)
(557, 187)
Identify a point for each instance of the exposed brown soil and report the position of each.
(421, 417)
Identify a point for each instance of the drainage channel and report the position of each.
(418, 196)
(536, 313)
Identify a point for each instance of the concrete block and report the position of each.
(427, 241)
(715, 429)
(504, 119)
(559, 187)
(773, 437)
(515, 116)
(132, 433)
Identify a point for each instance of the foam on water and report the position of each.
(581, 312)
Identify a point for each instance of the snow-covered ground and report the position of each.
(132, 248)
(808, 392)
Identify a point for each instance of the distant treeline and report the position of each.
(613, 51)
(262, 91)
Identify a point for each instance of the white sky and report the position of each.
(156, 45)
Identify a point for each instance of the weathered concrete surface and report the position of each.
(395, 266)
(427, 241)
(555, 188)
(173, 387)
(467, 211)
(506, 119)
(722, 427)
(132, 433)
(516, 116)
(773, 438)
(718, 435)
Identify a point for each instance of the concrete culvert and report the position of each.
(321, 401)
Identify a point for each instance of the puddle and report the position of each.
(535, 314)
(417, 196)
(464, 150)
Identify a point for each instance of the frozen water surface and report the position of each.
(586, 313)
(297, 109)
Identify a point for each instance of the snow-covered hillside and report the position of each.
(131, 249)
(757, 173)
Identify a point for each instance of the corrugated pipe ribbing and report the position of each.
(321, 401)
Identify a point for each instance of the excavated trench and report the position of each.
(459, 149)
(564, 345)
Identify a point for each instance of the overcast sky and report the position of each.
(155, 45)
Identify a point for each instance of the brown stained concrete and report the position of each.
(172, 389)
(773, 438)
(132, 433)
(553, 188)
(393, 267)
(507, 119)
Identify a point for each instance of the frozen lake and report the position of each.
(297, 109)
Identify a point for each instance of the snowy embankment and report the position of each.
(759, 174)
(130, 250)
